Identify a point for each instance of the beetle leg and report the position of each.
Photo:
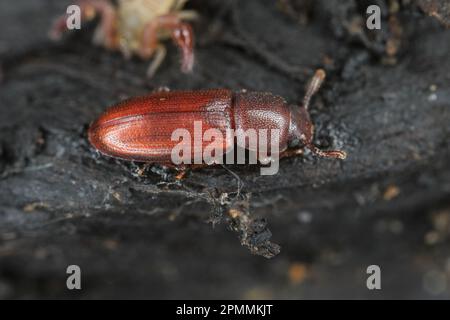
(184, 14)
(181, 175)
(187, 15)
(179, 5)
(106, 32)
(291, 153)
(183, 170)
(58, 28)
(149, 39)
(182, 35)
(160, 53)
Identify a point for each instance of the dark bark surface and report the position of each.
(142, 236)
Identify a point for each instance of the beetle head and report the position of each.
(301, 134)
(301, 129)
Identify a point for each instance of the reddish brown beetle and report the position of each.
(140, 129)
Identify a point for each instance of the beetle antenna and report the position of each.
(313, 86)
(328, 153)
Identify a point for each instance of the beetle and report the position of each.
(137, 26)
(140, 128)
